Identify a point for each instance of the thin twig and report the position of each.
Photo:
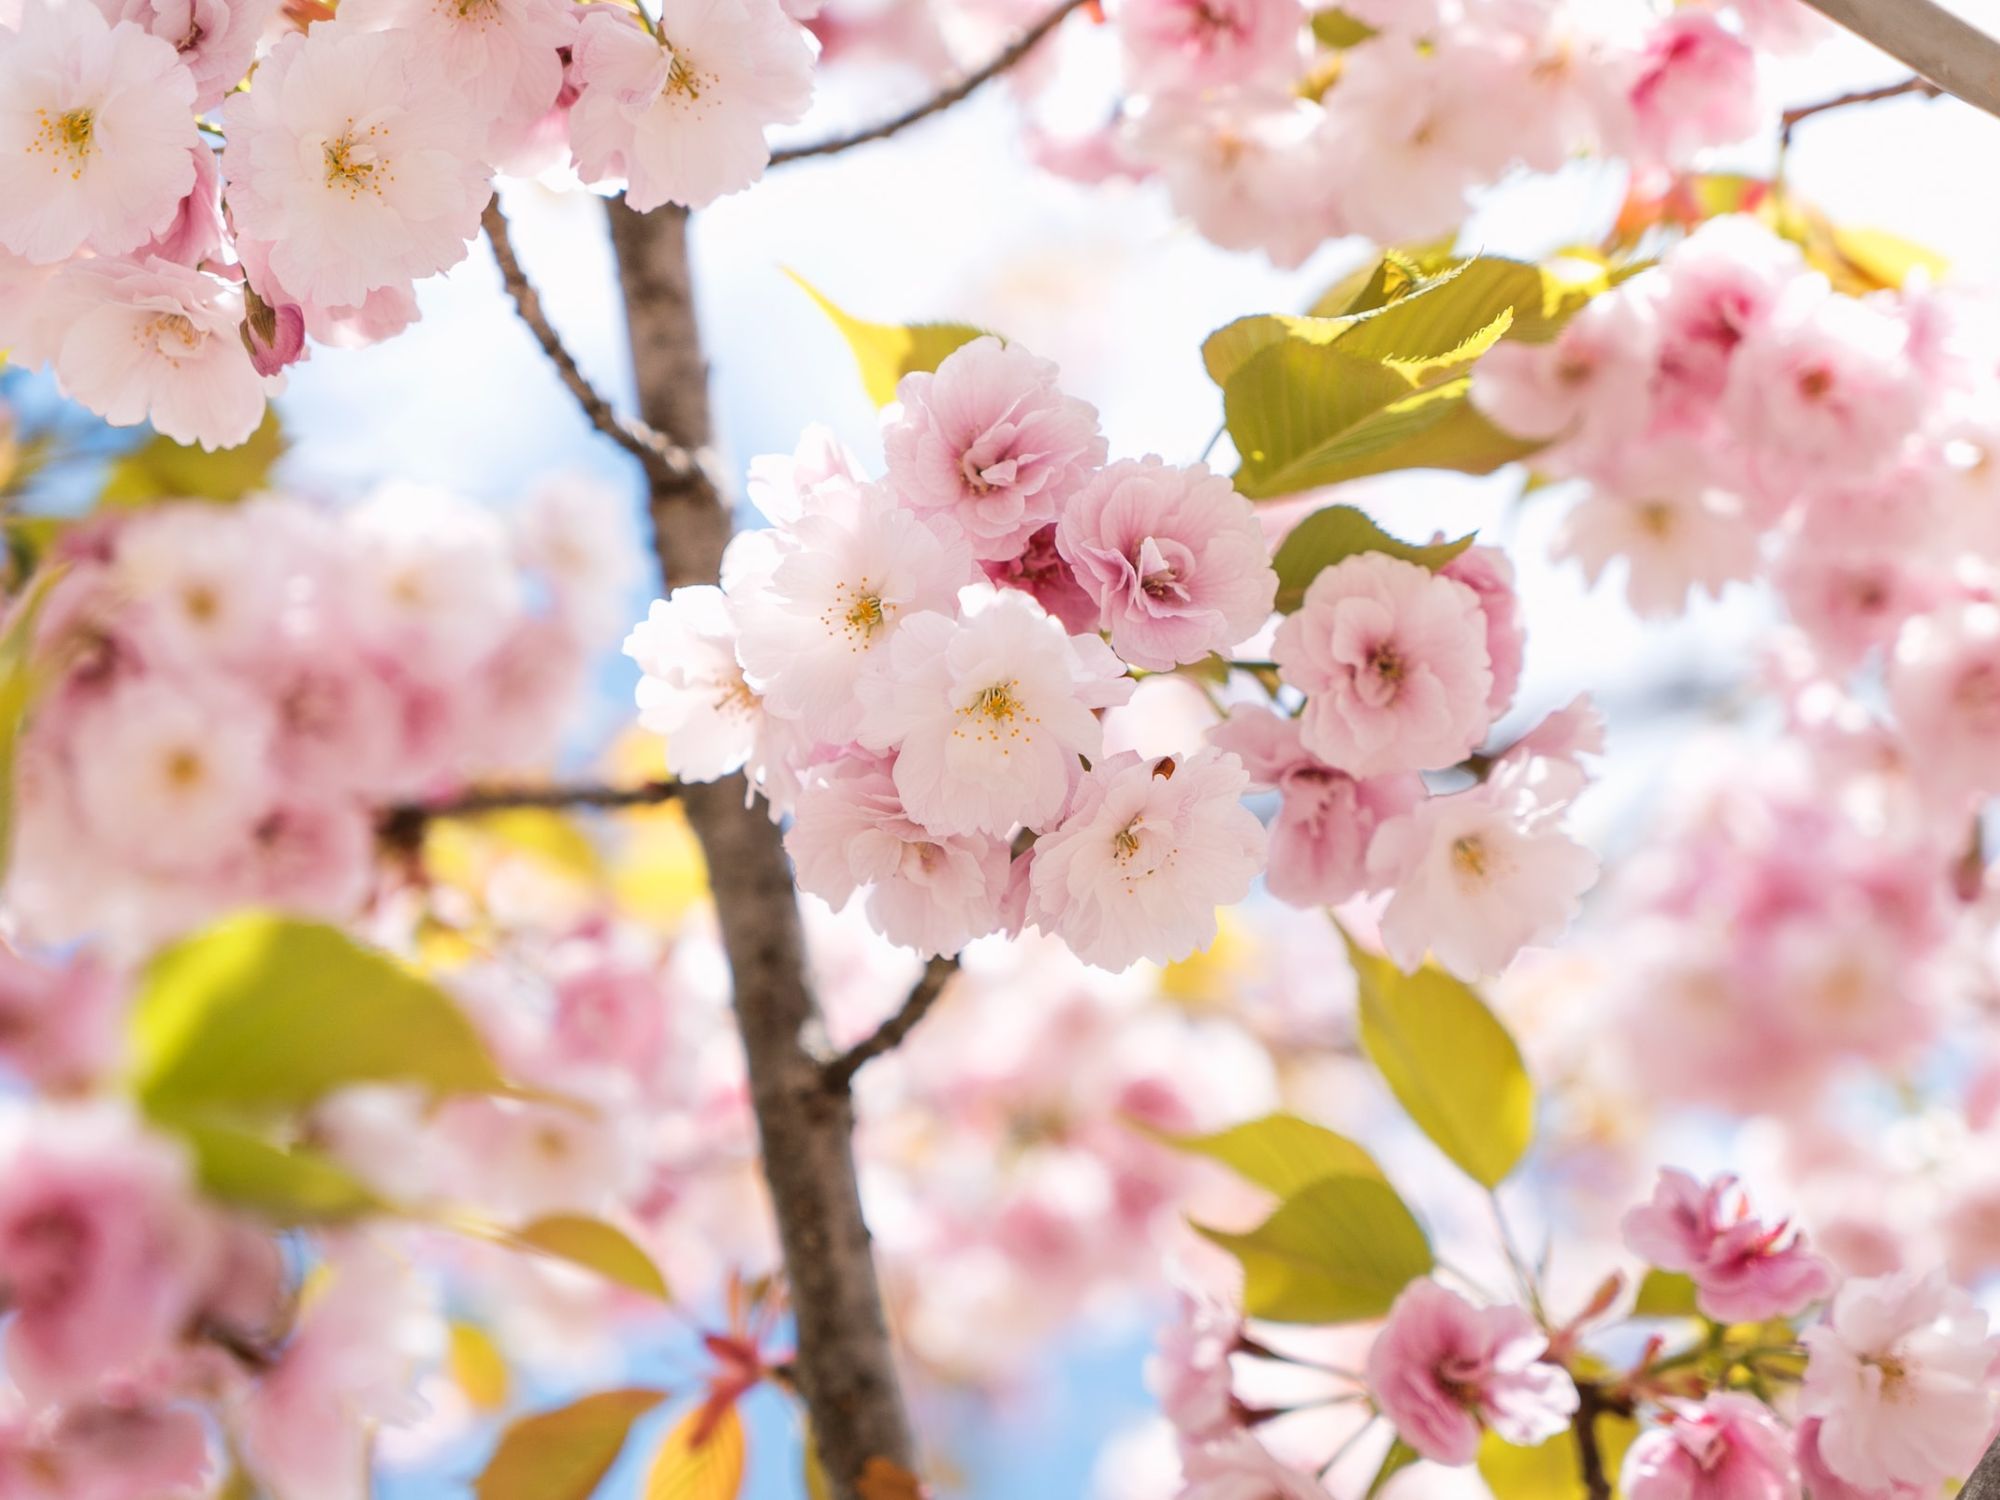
(1793, 117)
(664, 459)
(1929, 39)
(402, 826)
(1591, 1402)
(937, 103)
(888, 1036)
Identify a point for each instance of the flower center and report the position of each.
(183, 768)
(1469, 857)
(682, 77)
(1656, 518)
(70, 138)
(1815, 383)
(865, 612)
(353, 164)
(998, 702)
(1125, 842)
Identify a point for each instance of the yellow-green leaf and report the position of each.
(283, 1186)
(1665, 1294)
(1553, 1470)
(1399, 1457)
(1439, 429)
(1296, 407)
(477, 1367)
(162, 469)
(886, 352)
(1450, 1063)
(20, 681)
(1338, 30)
(1339, 532)
(702, 1458)
(1281, 1153)
(596, 1245)
(1338, 1250)
(263, 1014)
(564, 1454)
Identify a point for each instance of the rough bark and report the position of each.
(845, 1367)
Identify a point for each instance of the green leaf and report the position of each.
(564, 1454)
(263, 1014)
(1449, 1062)
(1399, 1457)
(1337, 30)
(886, 352)
(1297, 407)
(1441, 429)
(1336, 1251)
(20, 682)
(1552, 1470)
(1282, 1153)
(162, 469)
(285, 1188)
(1339, 532)
(1665, 1294)
(595, 1245)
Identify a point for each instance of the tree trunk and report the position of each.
(845, 1366)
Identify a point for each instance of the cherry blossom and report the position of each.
(1392, 659)
(350, 169)
(1145, 855)
(1442, 1369)
(989, 441)
(680, 114)
(1727, 1448)
(97, 134)
(1743, 1271)
(1174, 558)
(215, 40)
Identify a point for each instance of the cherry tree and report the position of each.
(880, 1013)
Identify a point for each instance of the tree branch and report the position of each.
(1019, 48)
(1590, 1457)
(845, 1367)
(889, 1035)
(402, 825)
(1951, 53)
(664, 460)
(1792, 117)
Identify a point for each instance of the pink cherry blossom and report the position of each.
(1898, 1375)
(1483, 873)
(108, 1450)
(1392, 659)
(1175, 559)
(931, 892)
(1488, 573)
(102, 1245)
(1327, 819)
(214, 39)
(1588, 389)
(988, 441)
(1238, 1467)
(307, 1427)
(988, 714)
(1249, 166)
(61, 1025)
(1674, 542)
(1825, 390)
(1041, 574)
(1442, 1370)
(1821, 1483)
(196, 231)
(846, 578)
(1189, 1374)
(1713, 290)
(692, 690)
(97, 133)
(1694, 85)
(1728, 1447)
(156, 343)
(681, 116)
(504, 56)
(1191, 44)
(350, 167)
(1147, 852)
(1743, 1271)
(1944, 685)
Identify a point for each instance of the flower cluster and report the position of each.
(918, 669)
(170, 277)
(1278, 126)
(235, 694)
(1892, 1385)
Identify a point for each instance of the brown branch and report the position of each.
(845, 1366)
(1792, 118)
(402, 825)
(1927, 38)
(1019, 48)
(665, 461)
(889, 1035)
(1590, 1457)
